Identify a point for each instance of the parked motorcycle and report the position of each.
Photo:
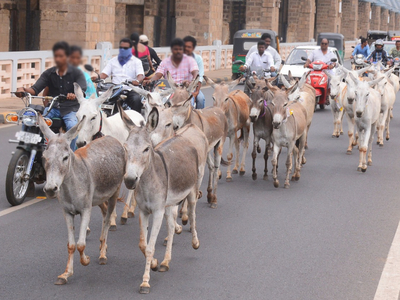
(26, 167)
(319, 81)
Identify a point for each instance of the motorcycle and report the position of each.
(26, 168)
(249, 74)
(396, 65)
(358, 62)
(319, 81)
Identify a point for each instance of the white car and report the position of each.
(295, 64)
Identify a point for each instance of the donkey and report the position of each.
(261, 117)
(90, 176)
(213, 123)
(236, 108)
(336, 99)
(368, 107)
(289, 121)
(162, 177)
(95, 124)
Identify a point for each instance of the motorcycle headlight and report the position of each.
(317, 67)
(29, 118)
(359, 61)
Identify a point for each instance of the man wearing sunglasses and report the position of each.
(323, 54)
(126, 67)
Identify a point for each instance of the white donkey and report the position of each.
(90, 176)
(368, 107)
(336, 99)
(96, 124)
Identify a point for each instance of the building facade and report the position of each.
(38, 24)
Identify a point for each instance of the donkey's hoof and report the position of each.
(199, 195)
(131, 214)
(258, 149)
(364, 169)
(287, 185)
(369, 163)
(265, 177)
(276, 183)
(306, 147)
(102, 261)
(85, 261)
(209, 198)
(241, 173)
(359, 169)
(196, 245)
(163, 268)
(123, 220)
(178, 229)
(113, 228)
(348, 152)
(87, 232)
(303, 161)
(254, 176)
(377, 142)
(165, 242)
(337, 136)
(234, 171)
(341, 133)
(380, 145)
(144, 290)
(228, 179)
(333, 135)
(213, 205)
(387, 138)
(60, 281)
(154, 266)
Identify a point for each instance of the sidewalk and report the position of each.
(219, 75)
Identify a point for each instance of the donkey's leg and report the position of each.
(230, 156)
(334, 119)
(124, 216)
(169, 216)
(295, 156)
(302, 143)
(69, 270)
(256, 140)
(341, 113)
(217, 163)
(210, 165)
(113, 219)
(131, 212)
(370, 140)
(360, 150)
(289, 164)
(185, 217)
(246, 133)
(350, 122)
(364, 147)
(192, 199)
(381, 127)
(150, 262)
(275, 165)
(265, 177)
(178, 228)
(387, 125)
(106, 226)
(81, 245)
(237, 155)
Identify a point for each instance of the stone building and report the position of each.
(37, 24)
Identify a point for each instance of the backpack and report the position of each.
(145, 64)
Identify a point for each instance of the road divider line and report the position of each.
(15, 208)
(389, 284)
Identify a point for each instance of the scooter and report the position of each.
(26, 167)
(319, 81)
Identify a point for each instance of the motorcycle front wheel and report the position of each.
(16, 186)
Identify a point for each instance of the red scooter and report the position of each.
(319, 81)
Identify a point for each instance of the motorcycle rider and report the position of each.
(323, 54)
(361, 48)
(266, 37)
(60, 80)
(182, 68)
(198, 96)
(395, 52)
(126, 67)
(153, 54)
(379, 53)
(260, 59)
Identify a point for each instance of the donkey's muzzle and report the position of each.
(350, 100)
(359, 114)
(130, 182)
(50, 191)
(276, 124)
(253, 118)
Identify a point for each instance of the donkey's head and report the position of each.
(279, 108)
(335, 81)
(163, 128)
(89, 111)
(259, 97)
(57, 156)
(138, 146)
(181, 92)
(181, 112)
(221, 91)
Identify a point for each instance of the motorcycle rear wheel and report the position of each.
(17, 188)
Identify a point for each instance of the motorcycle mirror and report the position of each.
(238, 62)
(352, 47)
(88, 68)
(282, 62)
(334, 60)
(304, 58)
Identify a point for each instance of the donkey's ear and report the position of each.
(234, 83)
(209, 81)
(73, 132)
(152, 120)
(187, 102)
(100, 100)
(125, 118)
(45, 129)
(78, 93)
(171, 81)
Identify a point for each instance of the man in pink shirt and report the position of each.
(182, 68)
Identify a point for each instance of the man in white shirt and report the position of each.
(126, 67)
(323, 54)
(260, 59)
(266, 37)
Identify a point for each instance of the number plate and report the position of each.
(106, 106)
(28, 138)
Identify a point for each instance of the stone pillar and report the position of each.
(150, 13)
(82, 22)
(262, 14)
(4, 28)
(363, 23)
(392, 23)
(349, 19)
(227, 15)
(120, 23)
(201, 19)
(375, 23)
(327, 16)
(384, 19)
(397, 22)
(301, 21)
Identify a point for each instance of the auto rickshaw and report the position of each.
(243, 40)
(394, 35)
(335, 40)
(374, 35)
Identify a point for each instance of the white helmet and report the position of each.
(143, 38)
(379, 42)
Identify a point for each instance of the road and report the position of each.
(327, 237)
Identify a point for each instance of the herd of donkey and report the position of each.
(162, 155)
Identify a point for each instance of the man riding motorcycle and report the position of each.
(395, 52)
(378, 54)
(361, 48)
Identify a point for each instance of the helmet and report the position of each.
(379, 42)
(143, 38)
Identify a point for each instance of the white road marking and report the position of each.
(15, 208)
(6, 126)
(389, 284)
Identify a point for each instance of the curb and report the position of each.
(219, 80)
(3, 116)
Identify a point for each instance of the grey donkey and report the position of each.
(162, 177)
(90, 176)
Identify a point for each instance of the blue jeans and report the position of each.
(200, 100)
(69, 119)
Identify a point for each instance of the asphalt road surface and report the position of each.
(326, 237)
